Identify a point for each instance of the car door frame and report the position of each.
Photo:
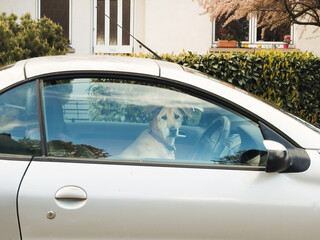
(249, 174)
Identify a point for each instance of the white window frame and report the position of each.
(38, 15)
(253, 35)
(215, 43)
(107, 48)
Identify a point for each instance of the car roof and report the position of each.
(52, 65)
(12, 74)
(68, 63)
(36, 67)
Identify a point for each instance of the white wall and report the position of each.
(81, 29)
(18, 7)
(308, 39)
(171, 26)
(139, 28)
(163, 25)
(81, 19)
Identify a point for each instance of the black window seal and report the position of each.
(192, 90)
(15, 157)
(111, 161)
(145, 78)
(17, 84)
(39, 84)
(152, 79)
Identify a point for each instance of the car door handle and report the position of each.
(71, 193)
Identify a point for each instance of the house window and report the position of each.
(275, 35)
(237, 30)
(59, 12)
(247, 32)
(113, 26)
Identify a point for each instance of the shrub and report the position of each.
(29, 38)
(290, 80)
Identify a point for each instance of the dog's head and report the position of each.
(166, 123)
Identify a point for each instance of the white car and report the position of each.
(108, 147)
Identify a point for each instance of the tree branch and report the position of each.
(305, 10)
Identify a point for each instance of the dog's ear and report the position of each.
(155, 110)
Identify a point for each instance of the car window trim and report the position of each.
(143, 78)
(15, 157)
(111, 161)
(36, 88)
(190, 89)
(43, 138)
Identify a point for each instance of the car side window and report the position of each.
(103, 118)
(19, 126)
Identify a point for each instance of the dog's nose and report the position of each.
(173, 131)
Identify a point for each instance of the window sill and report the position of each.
(71, 50)
(226, 50)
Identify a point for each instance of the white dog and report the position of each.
(159, 140)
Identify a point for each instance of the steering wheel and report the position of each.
(213, 140)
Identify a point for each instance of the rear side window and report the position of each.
(19, 126)
(132, 121)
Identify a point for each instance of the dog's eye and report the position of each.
(176, 116)
(164, 117)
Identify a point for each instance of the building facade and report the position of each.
(165, 26)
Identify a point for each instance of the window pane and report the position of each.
(237, 30)
(113, 22)
(126, 22)
(19, 127)
(276, 35)
(119, 119)
(58, 12)
(100, 22)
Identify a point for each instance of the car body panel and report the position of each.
(11, 173)
(12, 74)
(59, 64)
(135, 202)
(113, 199)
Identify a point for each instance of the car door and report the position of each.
(101, 178)
(18, 119)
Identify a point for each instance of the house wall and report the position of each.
(82, 24)
(307, 39)
(81, 19)
(139, 28)
(171, 26)
(163, 25)
(18, 7)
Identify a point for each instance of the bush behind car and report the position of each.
(29, 38)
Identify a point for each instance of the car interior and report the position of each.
(217, 139)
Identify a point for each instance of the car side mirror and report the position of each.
(278, 159)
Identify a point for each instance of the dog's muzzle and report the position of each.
(173, 132)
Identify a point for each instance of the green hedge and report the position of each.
(289, 80)
(29, 38)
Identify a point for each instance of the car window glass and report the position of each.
(19, 126)
(118, 119)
